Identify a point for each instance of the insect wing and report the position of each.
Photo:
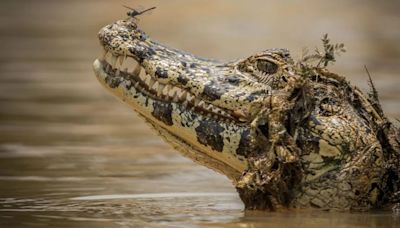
(128, 7)
(148, 11)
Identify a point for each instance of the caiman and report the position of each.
(285, 136)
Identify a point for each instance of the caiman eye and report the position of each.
(267, 67)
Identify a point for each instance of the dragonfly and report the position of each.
(133, 13)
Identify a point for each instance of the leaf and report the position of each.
(321, 57)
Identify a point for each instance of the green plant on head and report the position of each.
(320, 59)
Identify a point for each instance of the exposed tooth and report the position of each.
(152, 81)
(216, 110)
(160, 89)
(178, 90)
(201, 104)
(121, 60)
(182, 94)
(142, 75)
(108, 57)
(166, 90)
(196, 102)
(189, 97)
(175, 99)
(129, 63)
(172, 91)
(137, 70)
(222, 112)
(127, 83)
(136, 84)
(149, 81)
(113, 61)
(155, 86)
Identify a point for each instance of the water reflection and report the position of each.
(72, 156)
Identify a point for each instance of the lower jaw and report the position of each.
(195, 154)
(186, 142)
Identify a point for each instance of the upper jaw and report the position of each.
(220, 88)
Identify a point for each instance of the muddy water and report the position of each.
(73, 156)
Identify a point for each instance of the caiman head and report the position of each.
(283, 138)
(204, 108)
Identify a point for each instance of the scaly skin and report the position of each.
(286, 138)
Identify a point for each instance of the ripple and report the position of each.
(42, 178)
(156, 195)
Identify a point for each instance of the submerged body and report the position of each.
(285, 137)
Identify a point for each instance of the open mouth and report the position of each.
(127, 69)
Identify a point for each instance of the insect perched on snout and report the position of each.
(133, 13)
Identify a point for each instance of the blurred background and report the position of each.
(72, 155)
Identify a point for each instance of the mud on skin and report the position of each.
(286, 139)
